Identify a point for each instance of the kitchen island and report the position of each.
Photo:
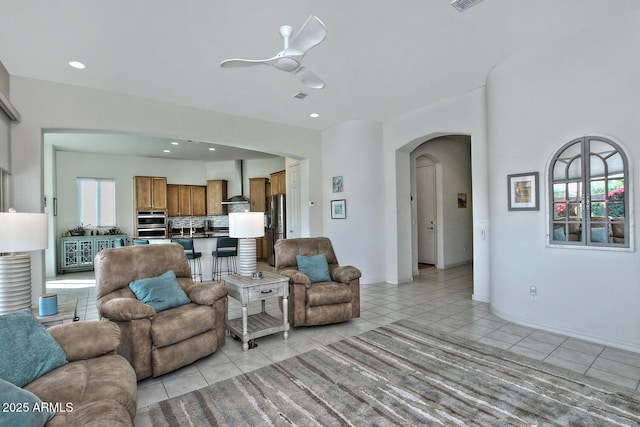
(202, 242)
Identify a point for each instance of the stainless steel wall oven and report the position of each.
(151, 224)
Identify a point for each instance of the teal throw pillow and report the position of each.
(162, 292)
(558, 234)
(20, 407)
(28, 350)
(315, 267)
(599, 234)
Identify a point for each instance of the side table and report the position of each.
(246, 289)
(67, 313)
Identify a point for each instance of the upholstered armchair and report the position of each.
(157, 342)
(334, 300)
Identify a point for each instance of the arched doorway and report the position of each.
(443, 207)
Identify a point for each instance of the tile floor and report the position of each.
(440, 299)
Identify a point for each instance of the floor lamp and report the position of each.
(246, 226)
(19, 232)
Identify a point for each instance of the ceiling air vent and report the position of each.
(463, 5)
(300, 95)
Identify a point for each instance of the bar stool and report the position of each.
(193, 257)
(226, 249)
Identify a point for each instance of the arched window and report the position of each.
(589, 207)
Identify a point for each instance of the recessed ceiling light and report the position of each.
(314, 115)
(77, 64)
(212, 149)
(174, 143)
(167, 151)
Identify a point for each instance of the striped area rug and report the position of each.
(404, 374)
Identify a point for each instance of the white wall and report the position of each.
(462, 115)
(5, 136)
(452, 155)
(71, 165)
(4, 121)
(586, 84)
(353, 150)
(48, 106)
(122, 169)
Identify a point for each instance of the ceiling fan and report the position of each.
(290, 58)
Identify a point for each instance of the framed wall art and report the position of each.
(338, 209)
(336, 184)
(462, 200)
(523, 192)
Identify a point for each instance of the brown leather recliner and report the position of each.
(157, 343)
(317, 303)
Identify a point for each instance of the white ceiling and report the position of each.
(381, 58)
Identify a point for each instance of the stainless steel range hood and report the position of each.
(238, 198)
(235, 199)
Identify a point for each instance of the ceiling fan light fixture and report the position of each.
(286, 64)
(312, 33)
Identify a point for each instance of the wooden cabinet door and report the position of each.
(278, 183)
(184, 200)
(216, 193)
(198, 200)
(150, 192)
(158, 193)
(173, 200)
(257, 194)
(142, 188)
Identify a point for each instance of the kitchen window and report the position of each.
(589, 191)
(96, 202)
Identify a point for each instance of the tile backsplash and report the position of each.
(216, 220)
(198, 221)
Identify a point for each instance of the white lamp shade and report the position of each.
(23, 232)
(245, 225)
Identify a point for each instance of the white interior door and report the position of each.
(426, 215)
(293, 201)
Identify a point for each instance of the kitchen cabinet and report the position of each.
(258, 188)
(261, 248)
(278, 183)
(186, 200)
(150, 192)
(173, 203)
(77, 253)
(198, 200)
(216, 193)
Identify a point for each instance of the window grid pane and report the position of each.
(605, 217)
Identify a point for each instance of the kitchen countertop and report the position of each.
(202, 235)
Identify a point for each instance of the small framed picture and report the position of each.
(523, 192)
(338, 209)
(336, 184)
(462, 200)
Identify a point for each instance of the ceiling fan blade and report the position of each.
(309, 79)
(312, 33)
(237, 62)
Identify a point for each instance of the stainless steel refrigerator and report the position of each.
(276, 224)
